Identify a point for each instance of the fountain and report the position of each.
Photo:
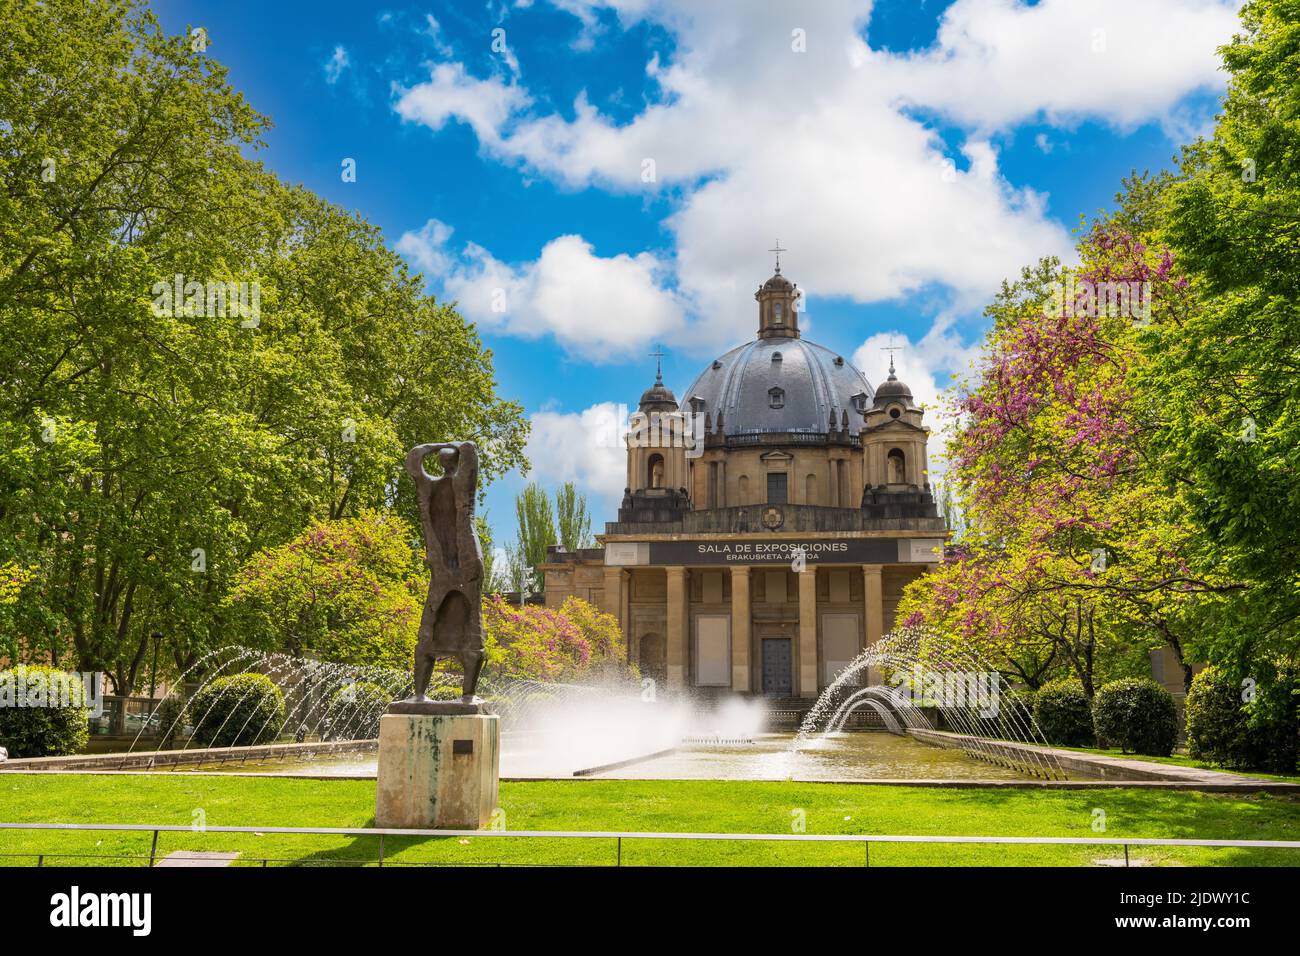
(927, 676)
(915, 686)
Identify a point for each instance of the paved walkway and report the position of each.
(1113, 769)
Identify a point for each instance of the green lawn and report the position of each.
(683, 806)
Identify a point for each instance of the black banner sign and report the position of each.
(841, 551)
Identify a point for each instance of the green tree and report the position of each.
(348, 591)
(1075, 554)
(1222, 380)
(573, 518)
(536, 532)
(151, 444)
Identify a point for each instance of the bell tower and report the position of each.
(778, 302)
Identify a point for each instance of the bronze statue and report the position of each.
(451, 624)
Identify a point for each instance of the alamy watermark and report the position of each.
(919, 687)
(684, 430)
(33, 688)
(1092, 299)
(214, 299)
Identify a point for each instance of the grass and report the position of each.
(680, 806)
(1182, 760)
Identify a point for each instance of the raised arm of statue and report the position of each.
(415, 459)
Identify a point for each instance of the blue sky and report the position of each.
(597, 177)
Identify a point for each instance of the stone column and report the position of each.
(740, 630)
(808, 632)
(612, 602)
(873, 607)
(676, 636)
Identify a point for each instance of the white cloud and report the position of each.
(433, 29)
(585, 448)
(451, 93)
(819, 148)
(1000, 62)
(336, 64)
(602, 308)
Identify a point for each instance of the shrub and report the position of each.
(447, 691)
(237, 711)
(575, 641)
(354, 711)
(1138, 715)
(43, 730)
(1217, 724)
(1274, 714)
(172, 721)
(1063, 714)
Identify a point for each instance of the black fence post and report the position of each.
(153, 850)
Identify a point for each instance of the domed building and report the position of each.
(771, 518)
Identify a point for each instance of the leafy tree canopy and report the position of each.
(150, 443)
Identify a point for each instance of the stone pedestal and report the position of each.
(437, 770)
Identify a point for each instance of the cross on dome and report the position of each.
(778, 250)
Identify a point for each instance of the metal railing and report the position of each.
(615, 837)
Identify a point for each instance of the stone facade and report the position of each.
(770, 521)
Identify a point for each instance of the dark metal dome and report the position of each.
(781, 385)
(778, 281)
(658, 397)
(893, 390)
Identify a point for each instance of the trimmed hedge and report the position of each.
(1275, 714)
(172, 721)
(354, 711)
(1218, 728)
(1137, 715)
(42, 731)
(1259, 730)
(1063, 713)
(237, 711)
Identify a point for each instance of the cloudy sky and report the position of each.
(590, 179)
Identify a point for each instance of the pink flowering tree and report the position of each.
(1075, 557)
(574, 642)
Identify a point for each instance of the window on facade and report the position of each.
(777, 488)
(896, 467)
(655, 471)
(713, 650)
(778, 311)
(776, 397)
